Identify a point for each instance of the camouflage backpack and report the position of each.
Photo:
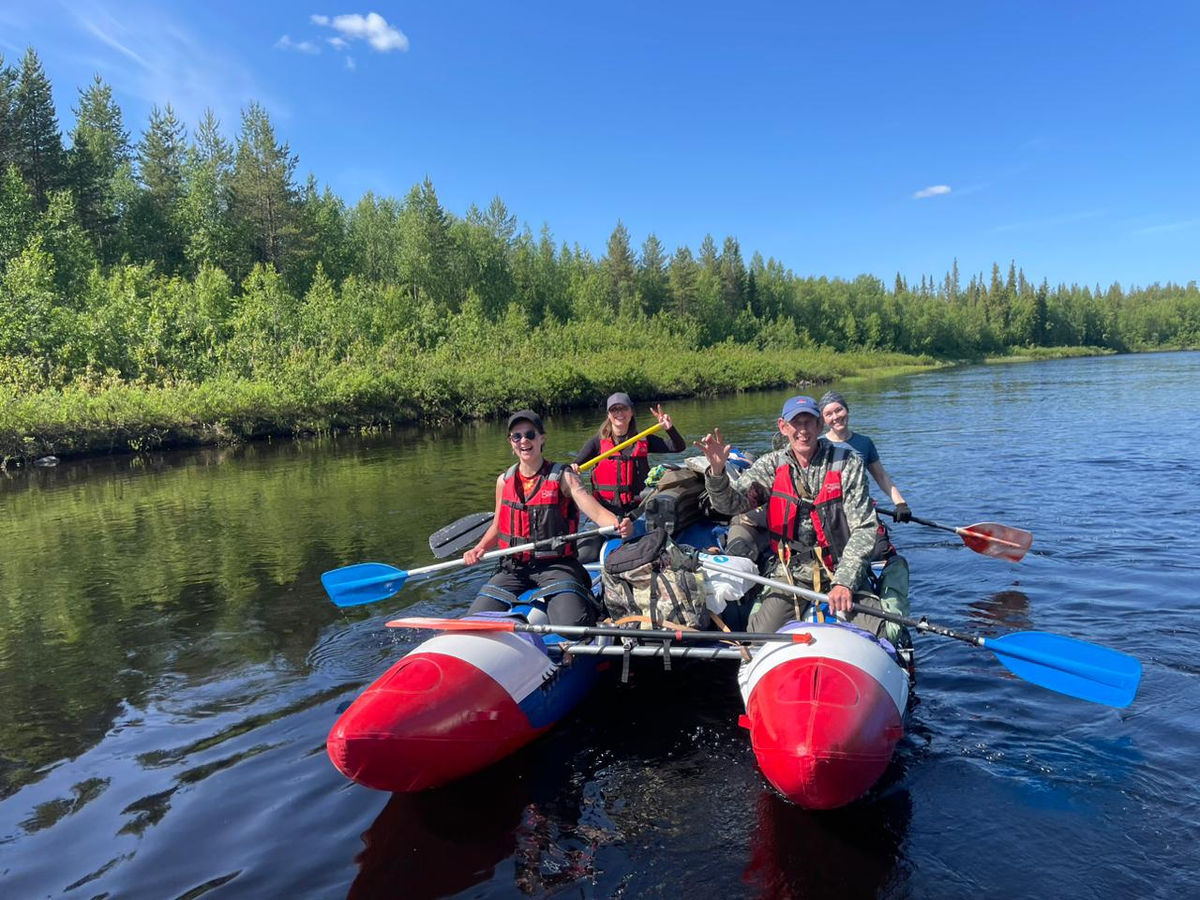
(650, 576)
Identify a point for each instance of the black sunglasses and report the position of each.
(529, 435)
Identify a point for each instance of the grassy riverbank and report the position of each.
(305, 396)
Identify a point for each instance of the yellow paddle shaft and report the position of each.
(621, 446)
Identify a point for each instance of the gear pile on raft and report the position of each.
(780, 566)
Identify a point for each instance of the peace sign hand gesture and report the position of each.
(663, 418)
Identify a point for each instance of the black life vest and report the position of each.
(613, 478)
(548, 512)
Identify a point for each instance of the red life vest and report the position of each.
(612, 479)
(548, 512)
(827, 512)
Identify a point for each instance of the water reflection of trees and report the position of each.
(124, 578)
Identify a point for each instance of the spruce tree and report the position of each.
(39, 151)
(205, 202)
(99, 167)
(8, 115)
(262, 190)
(619, 265)
(155, 219)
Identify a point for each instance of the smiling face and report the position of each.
(526, 442)
(802, 433)
(619, 417)
(837, 417)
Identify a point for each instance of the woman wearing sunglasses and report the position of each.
(537, 499)
(618, 480)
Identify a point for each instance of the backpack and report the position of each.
(677, 501)
(650, 576)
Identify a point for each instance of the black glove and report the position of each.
(903, 513)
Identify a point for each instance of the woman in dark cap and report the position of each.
(617, 481)
(537, 499)
(836, 413)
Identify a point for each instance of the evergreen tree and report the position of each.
(38, 139)
(619, 266)
(8, 115)
(732, 272)
(204, 206)
(708, 254)
(682, 274)
(263, 191)
(652, 282)
(100, 167)
(321, 237)
(425, 247)
(488, 242)
(155, 221)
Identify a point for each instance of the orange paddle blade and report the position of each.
(452, 624)
(993, 539)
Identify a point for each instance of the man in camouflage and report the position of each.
(809, 459)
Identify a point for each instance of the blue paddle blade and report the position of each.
(363, 583)
(1071, 667)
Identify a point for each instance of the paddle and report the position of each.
(461, 535)
(588, 631)
(621, 446)
(988, 538)
(370, 582)
(458, 536)
(1066, 665)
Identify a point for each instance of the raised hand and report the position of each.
(715, 450)
(663, 418)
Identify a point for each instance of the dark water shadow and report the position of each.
(515, 825)
(856, 851)
(441, 842)
(1003, 609)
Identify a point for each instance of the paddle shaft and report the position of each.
(1075, 666)
(953, 530)
(621, 446)
(918, 624)
(590, 631)
(512, 551)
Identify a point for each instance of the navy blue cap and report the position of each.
(799, 405)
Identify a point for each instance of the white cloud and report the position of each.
(286, 43)
(934, 190)
(338, 43)
(351, 64)
(146, 54)
(372, 28)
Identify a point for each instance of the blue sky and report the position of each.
(868, 137)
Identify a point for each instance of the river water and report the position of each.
(170, 666)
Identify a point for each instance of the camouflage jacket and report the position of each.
(752, 488)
